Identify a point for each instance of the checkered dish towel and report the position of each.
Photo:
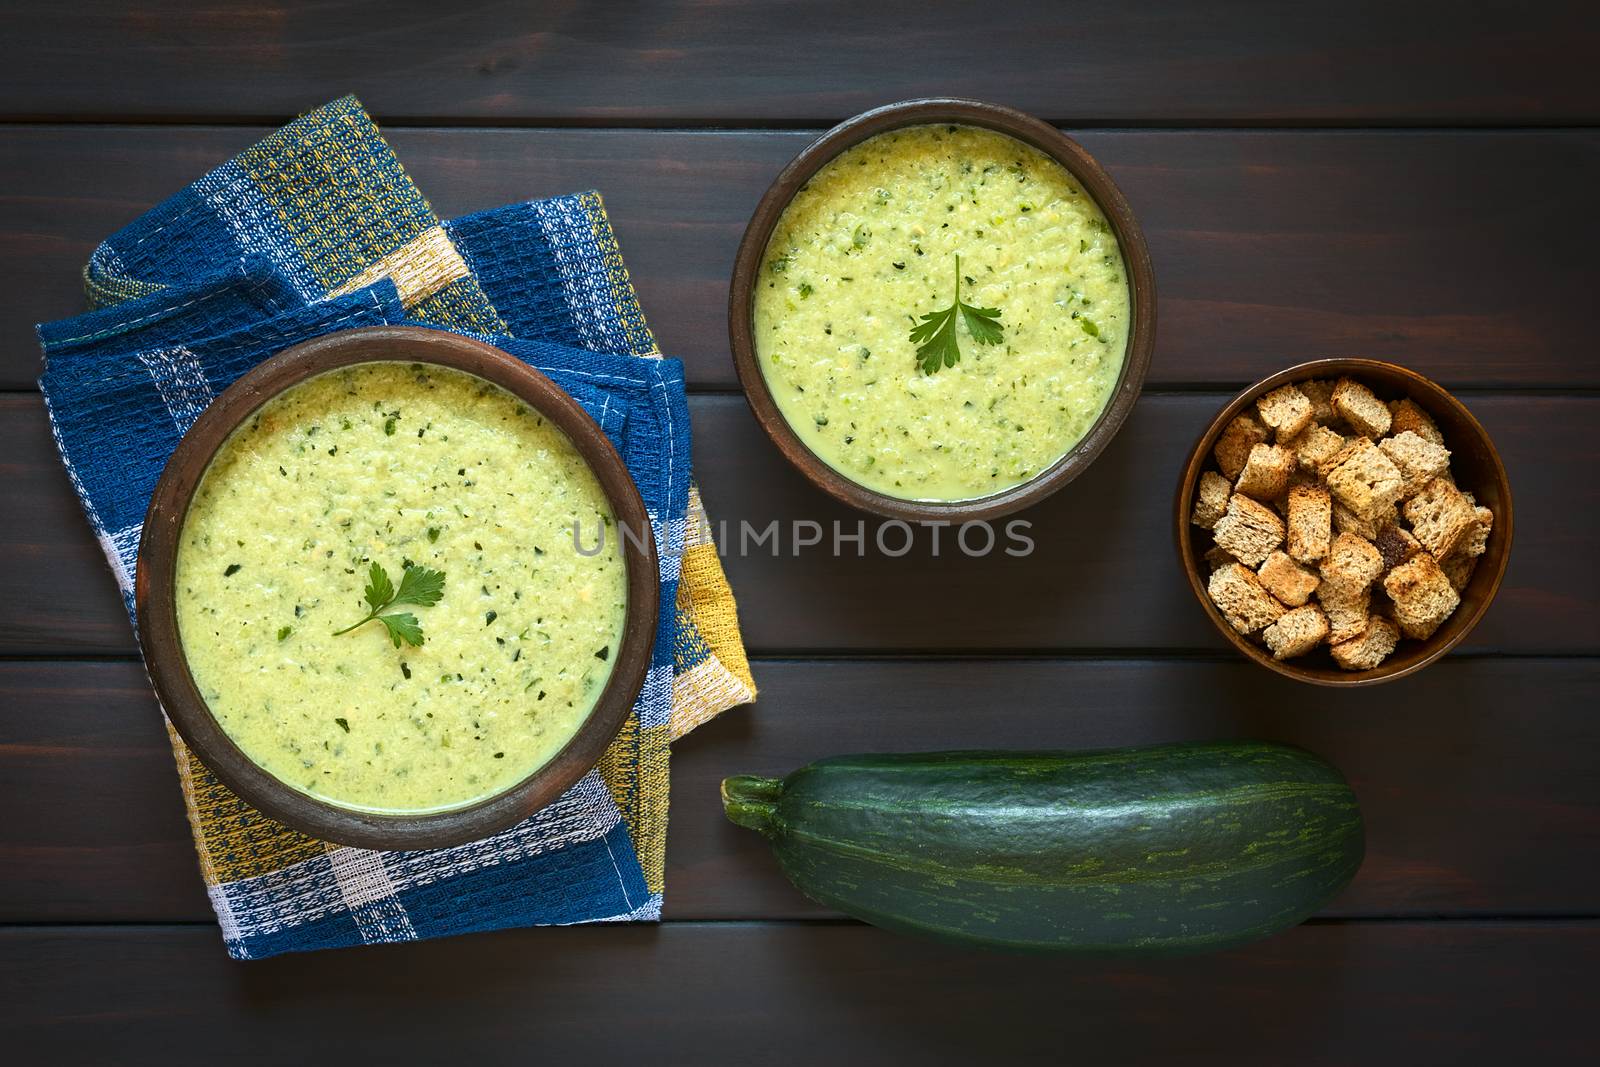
(318, 228)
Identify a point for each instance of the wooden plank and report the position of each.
(1478, 801)
(93, 843)
(1321, 994)
(674, 61)
(1469, 807)
(1103, 574)
(1430, 249)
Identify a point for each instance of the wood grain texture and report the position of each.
(683, 62)
(1430, 249)
(1322, 994)
(1103, 574)
(1477, 801)
(1457, 247)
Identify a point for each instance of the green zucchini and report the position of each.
(1157, 850)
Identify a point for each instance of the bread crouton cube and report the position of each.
(1266, 472)
(1211, 500)
(1407, 417)
(1347, 615)
(1440, 517)
(1242, 599)
(1320, 392)
(1347, 521)
(1363, 479)
(1476, 540)
(1296, 632)
(1297, 480)
(1396, 545)
(1360, 408)
(1234, 445)
(1420, 461)
(1458, 568)
(1248, 530)
(1310, 522)
(1287, 580)
(1370, 648)
(1216, 558)
(1286, 411)
(1352, 564)
(1315, 446)
(1379, 603)
(1422, 594)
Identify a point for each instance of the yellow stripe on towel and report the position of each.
(420, 268)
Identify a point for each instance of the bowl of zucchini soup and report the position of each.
(942, 309)
(396, 589)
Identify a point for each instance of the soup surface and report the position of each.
(401, 465)
(870, 246)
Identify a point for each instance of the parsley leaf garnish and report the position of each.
(935, 336)
(422, 586)
(402, 627)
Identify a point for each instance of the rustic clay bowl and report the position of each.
(1475, 464)
(1029, 130)
(158, 623)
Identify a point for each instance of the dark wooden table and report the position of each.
(1410, 181)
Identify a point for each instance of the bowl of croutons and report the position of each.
(1344, 522)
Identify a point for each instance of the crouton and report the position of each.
(1296, 632)
(1407, 417)
(1352, 564)
(1347, 615)
(1458, 568)
(1357, 405)
(1280, 504)
(1310, 522)
(1314, 446)
(1420, 461)
(1379, 602)
(1211, 501)
(1286, 411)
(1320, 392)
(1242, 599)
(1216, 558)
(1396, 545)
(1287, 580)
(1266, 472)
(1364, 652)
(1440, 517)
(1363, 479)
(1347, 521)
(1422, 594)
(1476, 540)
(1248, 530)
(1234, 445)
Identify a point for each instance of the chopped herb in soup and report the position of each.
(387, 490)
(942, 313)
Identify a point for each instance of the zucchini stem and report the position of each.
(751, 801)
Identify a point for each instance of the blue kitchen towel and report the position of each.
(318, 229)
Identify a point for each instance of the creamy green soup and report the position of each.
(403, 465)
(869, 246)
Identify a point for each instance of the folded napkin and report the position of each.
(318, 228)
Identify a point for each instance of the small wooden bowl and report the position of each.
(1475, 464)
(157, 605)
(926, 112)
